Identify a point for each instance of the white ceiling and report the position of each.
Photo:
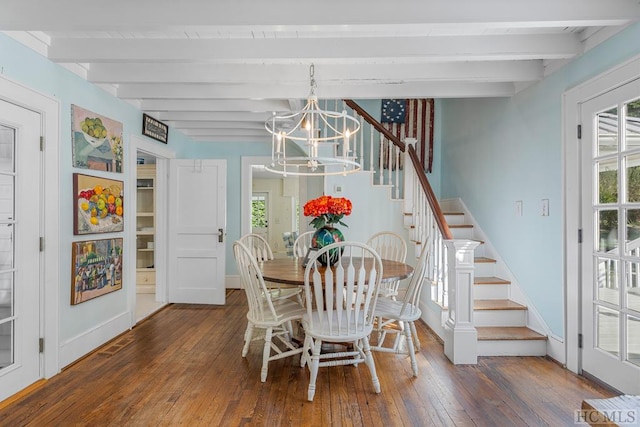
(216, 70)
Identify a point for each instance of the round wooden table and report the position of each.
(290, 271)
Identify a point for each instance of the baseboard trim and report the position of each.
(232, 282)
(80, 345)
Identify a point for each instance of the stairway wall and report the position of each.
(373, 208)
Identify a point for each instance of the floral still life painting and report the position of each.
(96, 269)
(98, 204)
(96, 141)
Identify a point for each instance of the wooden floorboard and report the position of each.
(183, 366)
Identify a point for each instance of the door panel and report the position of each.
(611, 244)
(19, 249)
(197, 213)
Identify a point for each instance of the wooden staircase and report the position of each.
(500, 322)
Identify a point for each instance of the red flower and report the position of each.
(327, 210)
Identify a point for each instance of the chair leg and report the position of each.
(265, 354)
(313, 368)
(368, 360)
(248, 334)
(416, 341)
(410, 349)
(304, 356)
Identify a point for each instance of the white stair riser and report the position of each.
(455, 219)
(512, 347)
(462, 233)
(499, 317)
(491, 292)
(484, 269)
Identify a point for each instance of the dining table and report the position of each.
(290, 271)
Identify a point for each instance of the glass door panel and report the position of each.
(610, 296)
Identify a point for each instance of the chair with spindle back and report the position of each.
(261, 251)
(274, 316)
(389, 245)
(339, 307)
(405, 311)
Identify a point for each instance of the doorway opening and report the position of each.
(147, 301)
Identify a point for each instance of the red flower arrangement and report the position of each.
(327, 210)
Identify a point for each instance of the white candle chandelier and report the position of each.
(325, 135)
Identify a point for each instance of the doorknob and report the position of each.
(221, 235)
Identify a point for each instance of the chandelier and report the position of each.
(324, 135)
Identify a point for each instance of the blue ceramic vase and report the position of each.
(325, 236)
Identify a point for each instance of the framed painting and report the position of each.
(96, 268)
(98, 205)
(96, 141)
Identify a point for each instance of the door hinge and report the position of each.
(579, 340)
(42, 244)
(41, 345)
(42, 143)
(579, 131)
(580, 235)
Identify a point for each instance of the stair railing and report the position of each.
(451, 261)
(379, 151)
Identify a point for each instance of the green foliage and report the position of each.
(258, 213)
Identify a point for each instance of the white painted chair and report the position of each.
(302, 244)
(261, 251)
(258, 246)
(404, 312)
(339, 308)
(389, 245)
(275, 317)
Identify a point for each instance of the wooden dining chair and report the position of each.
(302, 244)
(261, 251)
(339, 308)
(275, 317)
(389, 245)
(405, 312)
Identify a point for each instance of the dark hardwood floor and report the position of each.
(183, 366)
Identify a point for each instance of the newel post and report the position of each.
(460, 336)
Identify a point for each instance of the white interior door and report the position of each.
(197, 224)
(611, 244)
(20, 201)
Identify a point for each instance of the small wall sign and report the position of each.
(155, 129)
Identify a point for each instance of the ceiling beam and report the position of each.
(346, 50)
(487, 71)
(213, 98)
(289, 15)
(213, 105)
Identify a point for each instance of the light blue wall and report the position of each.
(497, 151)
(23, 65)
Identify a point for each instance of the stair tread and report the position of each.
(452, 213)
(497, 304)
(482, 259)
(508, 333)
(490, 281)
(460, 226)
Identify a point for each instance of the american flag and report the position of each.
(417, 124)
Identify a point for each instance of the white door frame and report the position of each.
(246, 191)
(49, 110)
(571, 101)
(162, 155)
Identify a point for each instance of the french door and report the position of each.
(610, 301)
(20, 202)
